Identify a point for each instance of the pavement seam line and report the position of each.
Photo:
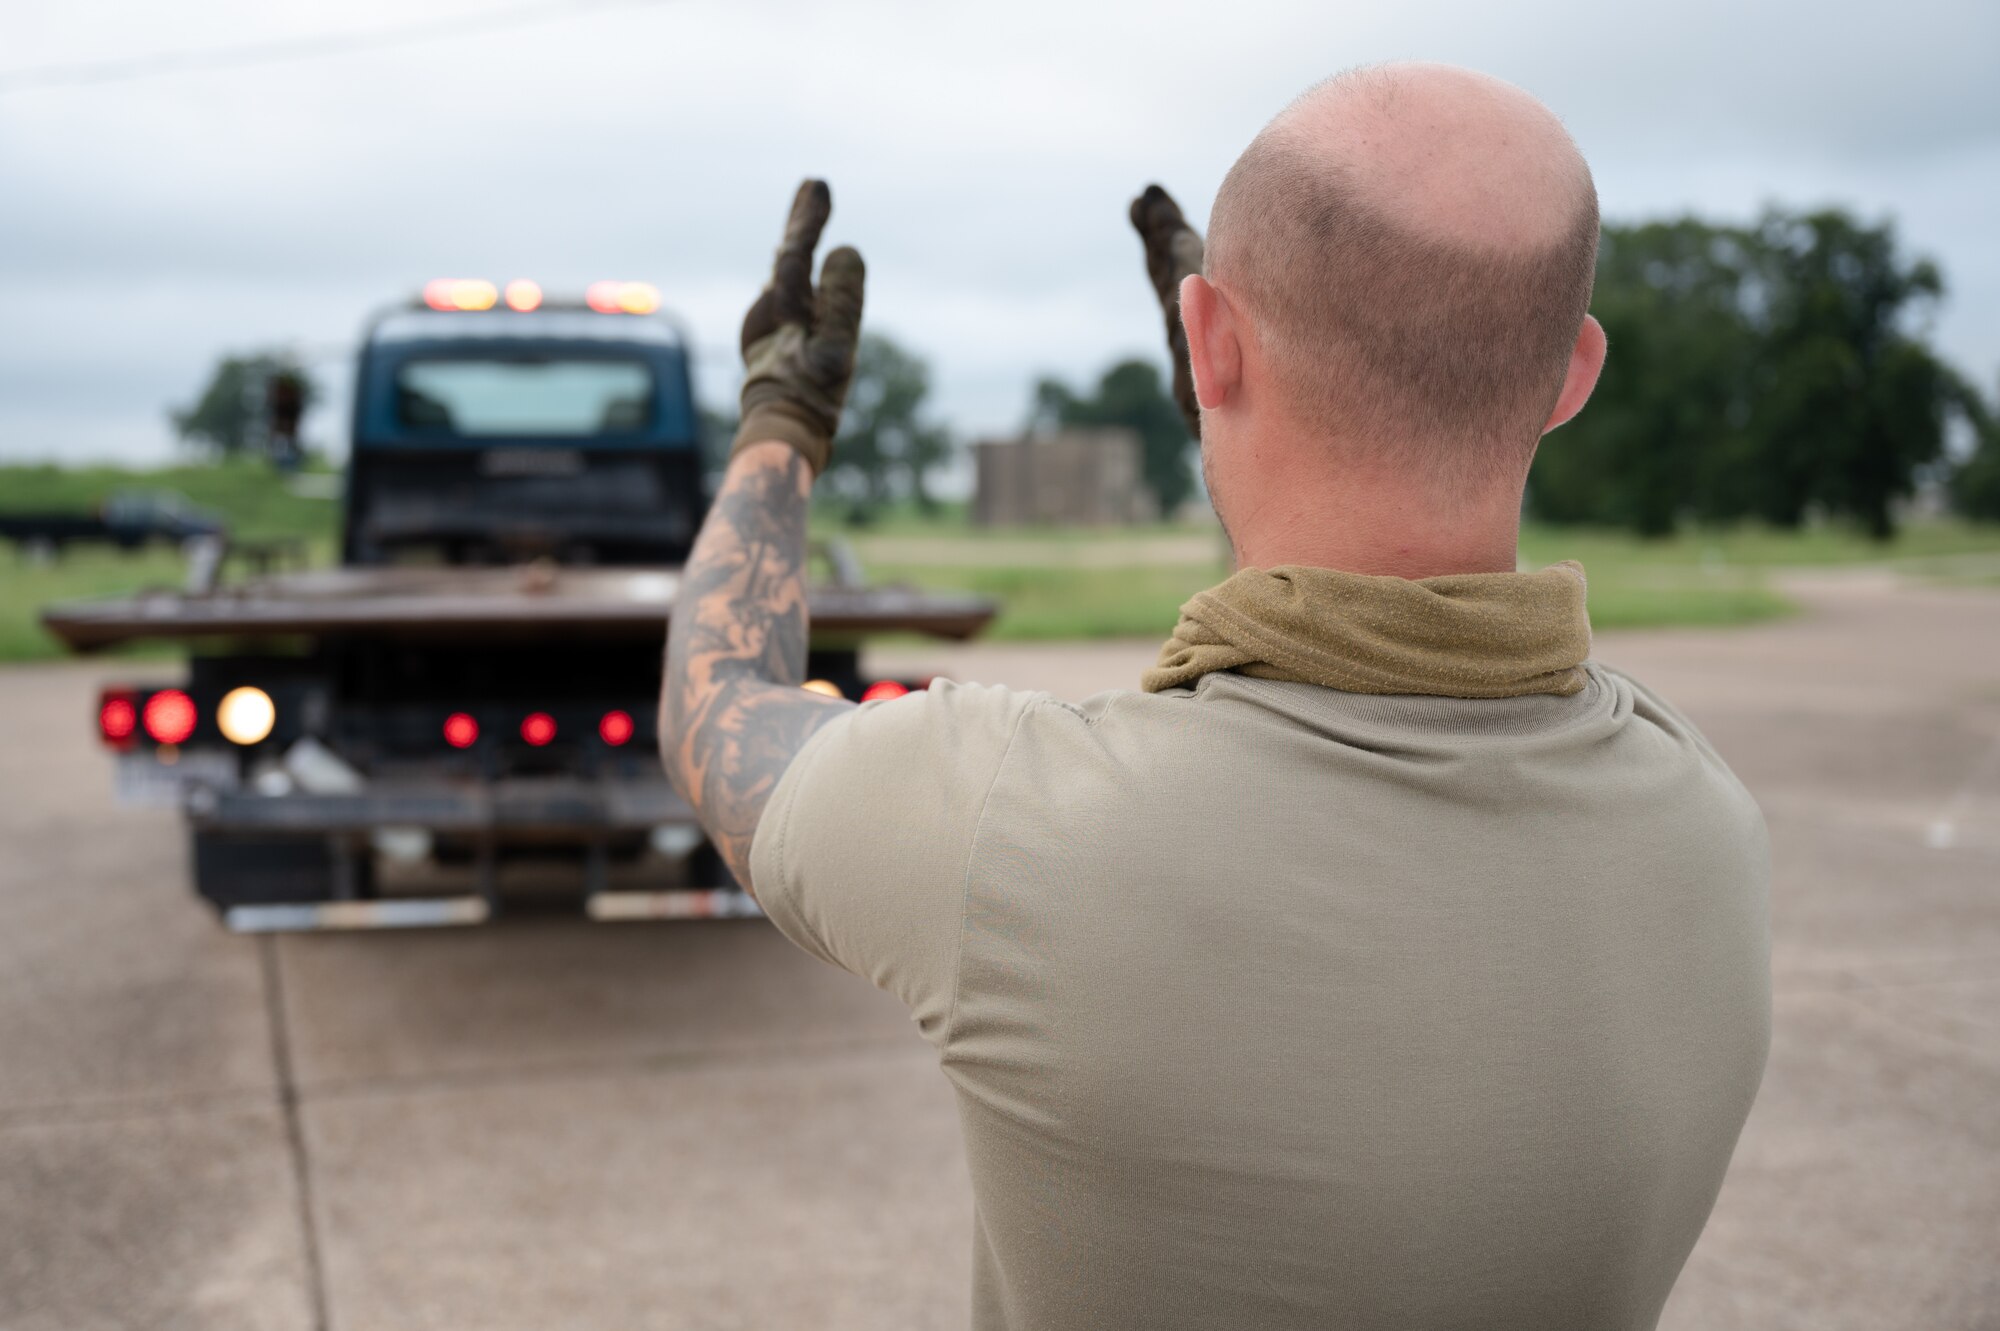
(295, 1137)
(611, 1068)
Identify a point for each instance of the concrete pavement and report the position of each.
(550, 1123)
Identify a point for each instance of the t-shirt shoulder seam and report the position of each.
(1069, 707)
(965, 881)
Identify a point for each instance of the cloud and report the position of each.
(980, 156)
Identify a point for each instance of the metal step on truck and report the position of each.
(462, 712)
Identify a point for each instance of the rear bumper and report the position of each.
(333, 879)
(714, 903)
(558, 806)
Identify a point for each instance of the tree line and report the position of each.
(1775, 372)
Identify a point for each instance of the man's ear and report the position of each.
(1214, 352)
(1586, 359)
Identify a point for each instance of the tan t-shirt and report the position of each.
(1269, 1005)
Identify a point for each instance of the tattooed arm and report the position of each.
(732, 714)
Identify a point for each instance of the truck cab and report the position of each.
(491, 436)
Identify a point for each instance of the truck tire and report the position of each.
(234, 870)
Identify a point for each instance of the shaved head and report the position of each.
(1414, 245)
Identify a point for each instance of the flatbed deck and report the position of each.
(461, 602)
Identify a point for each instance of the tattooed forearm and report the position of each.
(732, 714)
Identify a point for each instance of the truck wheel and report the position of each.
(253, 870)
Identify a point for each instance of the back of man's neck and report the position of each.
(1379, 538)
(1396, 562)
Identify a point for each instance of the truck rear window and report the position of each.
(499, 398)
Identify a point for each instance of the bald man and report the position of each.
(1384, 961)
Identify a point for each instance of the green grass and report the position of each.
(1045, 602)
(1699, 578)
(1756, 548)
(1051, 583)
(1616, 606)
(85, 571)
(256, 501)
(953, 521)
(1052, 602)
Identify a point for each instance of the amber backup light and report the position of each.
(246, 715)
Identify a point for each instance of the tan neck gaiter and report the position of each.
(1465, 635)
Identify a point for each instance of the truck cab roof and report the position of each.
(548, 324)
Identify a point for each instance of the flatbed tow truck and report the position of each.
(468, 701)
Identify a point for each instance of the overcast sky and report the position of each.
(981, 157)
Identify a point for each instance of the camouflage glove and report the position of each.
(798, 344)
(1173, 250)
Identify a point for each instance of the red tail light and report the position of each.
(117, 718)
(883, 688)
(460, 730)
(538, 728)
(616, 728)
(169, 716)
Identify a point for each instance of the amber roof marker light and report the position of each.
(622, 297)
(461, 293)
(524, 295)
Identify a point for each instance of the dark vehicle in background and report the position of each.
(463, 712)
(128, 519)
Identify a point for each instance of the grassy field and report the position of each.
(258, 504)
(1077, 587)
(1051, 583)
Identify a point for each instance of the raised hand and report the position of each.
(799, 343)
(1173, 250)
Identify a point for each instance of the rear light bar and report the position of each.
(246, 716)
(539, 729)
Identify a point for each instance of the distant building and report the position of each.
(1079, 478)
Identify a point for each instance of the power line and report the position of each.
(301, 48)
